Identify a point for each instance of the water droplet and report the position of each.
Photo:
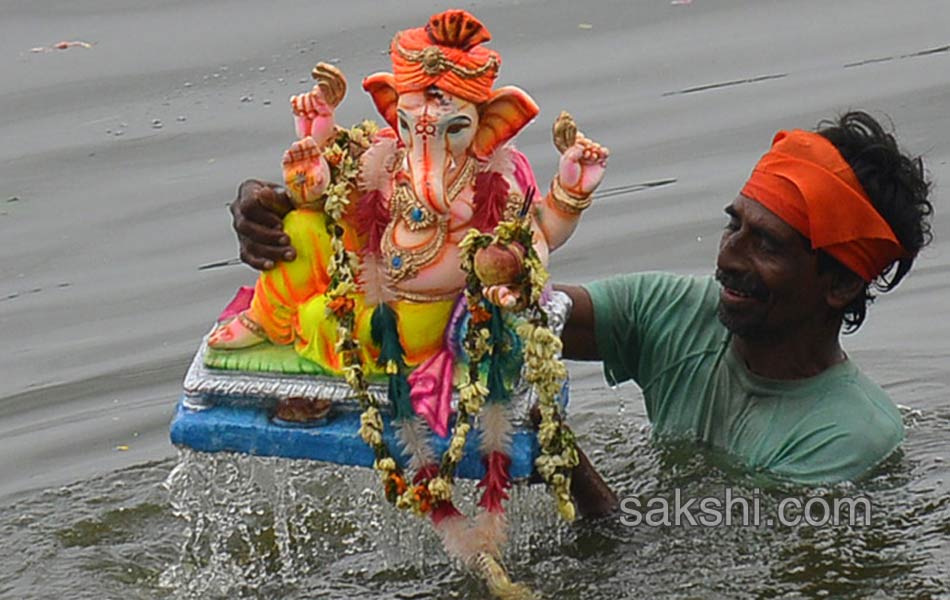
(262, 69)
(182, 118)
(247, 99)
(266, 102)
(156, 124)
(187, 84)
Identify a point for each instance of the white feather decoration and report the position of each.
(414, 437)
(373, 281)
(500, 162)
(496, 429)
(376, 166)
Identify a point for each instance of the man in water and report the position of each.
(750, 362)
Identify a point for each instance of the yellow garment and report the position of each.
(291, 305)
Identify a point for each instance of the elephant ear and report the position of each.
(501, 117)
(382, 88)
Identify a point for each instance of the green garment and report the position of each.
(662, 331)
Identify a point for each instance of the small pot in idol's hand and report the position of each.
(500, 264)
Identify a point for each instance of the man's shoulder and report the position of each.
(854, 426)
(862, 407)
(654, 288)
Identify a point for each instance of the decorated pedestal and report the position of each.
(224, 410)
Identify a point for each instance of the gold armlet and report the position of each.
(566, 201)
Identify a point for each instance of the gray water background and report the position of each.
(117, 162)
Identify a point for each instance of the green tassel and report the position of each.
(383, 325)
(497, 389)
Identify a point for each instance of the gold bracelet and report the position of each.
(566, 201)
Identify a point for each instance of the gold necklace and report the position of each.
(404, 263)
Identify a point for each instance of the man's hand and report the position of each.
(257, 215)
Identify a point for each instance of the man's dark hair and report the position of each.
(898, 188)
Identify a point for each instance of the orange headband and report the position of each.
(805, 181)
(446, 53)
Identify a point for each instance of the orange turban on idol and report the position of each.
(806, 182)
(448, 54)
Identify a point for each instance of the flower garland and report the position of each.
(342, 157)
(543, 370)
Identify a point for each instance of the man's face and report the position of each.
(769, 275)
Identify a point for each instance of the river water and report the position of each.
(117, 161)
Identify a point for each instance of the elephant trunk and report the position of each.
(429, 163)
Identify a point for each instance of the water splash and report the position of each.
(267, 525)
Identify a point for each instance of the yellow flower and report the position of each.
(472, 396)
(469, 240)
(371, 427)
(386, 465)
(567, 510)
(440, 489)
(405, 500)
(457, 443)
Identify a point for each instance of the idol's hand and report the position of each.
(502, 296)
(313, 111)
(583, 162)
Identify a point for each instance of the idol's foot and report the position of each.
(239, 332)
(306, 173)
(302, 412)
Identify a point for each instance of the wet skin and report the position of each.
(784, 313)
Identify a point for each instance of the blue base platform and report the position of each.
(248, 430)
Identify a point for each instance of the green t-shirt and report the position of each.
(661, 330)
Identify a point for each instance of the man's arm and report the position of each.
(593, 496)
(578, 336)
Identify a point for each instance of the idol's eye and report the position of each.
(458, 125)
(456, 128)
(403, 124)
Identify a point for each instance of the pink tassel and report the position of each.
(426, 473)
(492, 529)
(372, 216)
(445, 510)
(491, 196)
(457, 538)
(495, 483)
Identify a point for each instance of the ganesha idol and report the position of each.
(405, 196)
